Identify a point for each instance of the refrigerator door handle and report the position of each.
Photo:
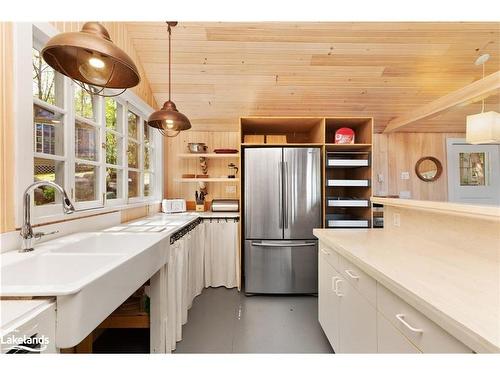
(285, 192)
(280, 186)
(273, 244)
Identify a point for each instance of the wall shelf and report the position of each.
(298, 130)
(209, 179)
(209, 155)
(348, 147)
(353, 209)
(348, 174)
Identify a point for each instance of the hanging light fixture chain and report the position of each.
(482, 103)
(169, 62)
(168, 120)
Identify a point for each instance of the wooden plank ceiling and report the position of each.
(222, 71)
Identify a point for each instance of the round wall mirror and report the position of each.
(428, 168)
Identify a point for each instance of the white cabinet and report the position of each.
(359, 315)
(390, 340)
(328, 303)
(358, 321)
(347, 318)
(416, 327)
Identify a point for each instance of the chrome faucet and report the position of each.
(27, 233)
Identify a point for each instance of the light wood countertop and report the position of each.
(483, 211)
(459, 290)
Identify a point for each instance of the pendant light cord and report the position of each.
(169, 62)
(482, 106)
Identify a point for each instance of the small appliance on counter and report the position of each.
(225, 205)
(171, 206)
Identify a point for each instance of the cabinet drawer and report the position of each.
(390, 340)
(421, 331)
(364, 284)
(329, 255)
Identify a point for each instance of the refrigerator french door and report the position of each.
(282, 205)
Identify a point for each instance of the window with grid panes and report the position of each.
(94, 147)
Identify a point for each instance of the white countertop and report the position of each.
(458, 290)
(168, 224)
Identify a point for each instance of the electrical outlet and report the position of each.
(380, 177)
(405, 194)
(231, 189)
(405, 175)
(397, 220)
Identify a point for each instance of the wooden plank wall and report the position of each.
(174, 166)
(392, 154)
(6, 129)
(119, 35)
(398, 152)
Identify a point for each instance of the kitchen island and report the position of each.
(435, 271)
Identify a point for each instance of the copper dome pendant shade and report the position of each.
(91, 59)
(168, 120)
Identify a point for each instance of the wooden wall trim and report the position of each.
(6, 129)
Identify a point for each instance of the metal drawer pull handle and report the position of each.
(351, 274)
(337, 288)
(401, 318)
(325, 252)
(334, 283)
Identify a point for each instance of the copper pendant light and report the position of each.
(168, 120)
(91, 59)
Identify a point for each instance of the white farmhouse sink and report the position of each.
(54, 274)
(90, 274)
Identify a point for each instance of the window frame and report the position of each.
(30, 35)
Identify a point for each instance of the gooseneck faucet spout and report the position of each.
(27, 230)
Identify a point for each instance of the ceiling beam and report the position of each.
(475, 91)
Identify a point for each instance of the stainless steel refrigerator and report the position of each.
(282, 205)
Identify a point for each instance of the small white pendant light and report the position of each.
(484, 127)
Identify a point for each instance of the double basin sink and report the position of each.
(90, 275)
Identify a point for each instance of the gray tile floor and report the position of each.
(225, 321)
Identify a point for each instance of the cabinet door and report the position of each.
(328, 303)
(358, 321)
(390, 340)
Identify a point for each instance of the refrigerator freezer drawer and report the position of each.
(348, 202)
(348, 183)
(281, 267)
(358, 223)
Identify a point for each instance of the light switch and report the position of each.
(405, 175)
(380, 177)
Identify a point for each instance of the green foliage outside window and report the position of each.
(83, 103)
